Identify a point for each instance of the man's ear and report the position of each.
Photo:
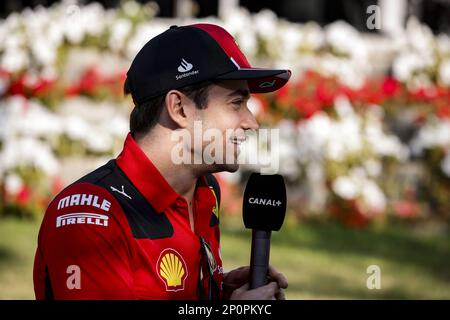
(176, 108)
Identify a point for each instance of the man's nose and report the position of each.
(249, 121)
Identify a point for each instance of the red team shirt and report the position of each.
(122, 232)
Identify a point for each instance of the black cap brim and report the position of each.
(259, 80)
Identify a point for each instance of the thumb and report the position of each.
(243, 288)
(239, 292)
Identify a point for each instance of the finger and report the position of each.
(243, 288)
(274, 275)
(271, 290)
(281, 295)
(244, 272)
(241, 274)
(236, 278)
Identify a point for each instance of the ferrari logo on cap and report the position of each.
(267, 84)
(172, 269)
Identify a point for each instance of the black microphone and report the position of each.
(264, 209)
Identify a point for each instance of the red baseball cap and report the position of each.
(186, 55)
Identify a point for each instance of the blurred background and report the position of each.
(364, 125)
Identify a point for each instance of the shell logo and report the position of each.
(172, 269)
(216, 206)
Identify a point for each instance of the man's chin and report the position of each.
(226, 167)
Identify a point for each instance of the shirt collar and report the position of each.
(145, 176)
(151, 184)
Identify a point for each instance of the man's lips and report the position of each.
(238, 140)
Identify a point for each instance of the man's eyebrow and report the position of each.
(244, 93)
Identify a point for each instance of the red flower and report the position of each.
(390, 86)
(324, 94)
(24, 195)
(57, 185)
(42, 87)
(443, 111)
(18, 86)
(72, 90)
(283, 95)
(349, 213)
(306, 107)
(89, 81)
(406, 209)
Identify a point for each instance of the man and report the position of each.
(143, 226)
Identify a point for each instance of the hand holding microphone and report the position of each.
(264, 209)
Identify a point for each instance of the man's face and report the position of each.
(223, 125)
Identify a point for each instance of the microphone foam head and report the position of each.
(264, 206)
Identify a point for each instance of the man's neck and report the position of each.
(180, 177)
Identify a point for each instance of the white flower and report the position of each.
(445, 165)
(43, 51)
(73, 30)
(291, 37)
(435, 133)
(248, 43)
(373, 197)
(373, 167)
(444, 72)
(36, 120)
(79, 21)
(119, 33)
(92, 17)
(8, 28)
(345, 187)
(239, 24)
(286, 151)
(312, 137)
(383, 144)
(420, 36)
(346, 136)
(143, 33)
(358, 173)
(237, 21)
(100, 141)
(313, 36)
(13, 184)
(346, 40)
(76, 128)
(131, 8)
(443, 43)
(266, 24)
(14, 60)
(118, 126)
(406, 64)
(29, 152)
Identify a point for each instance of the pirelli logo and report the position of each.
(82, 218)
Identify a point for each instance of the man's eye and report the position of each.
(238, 102)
